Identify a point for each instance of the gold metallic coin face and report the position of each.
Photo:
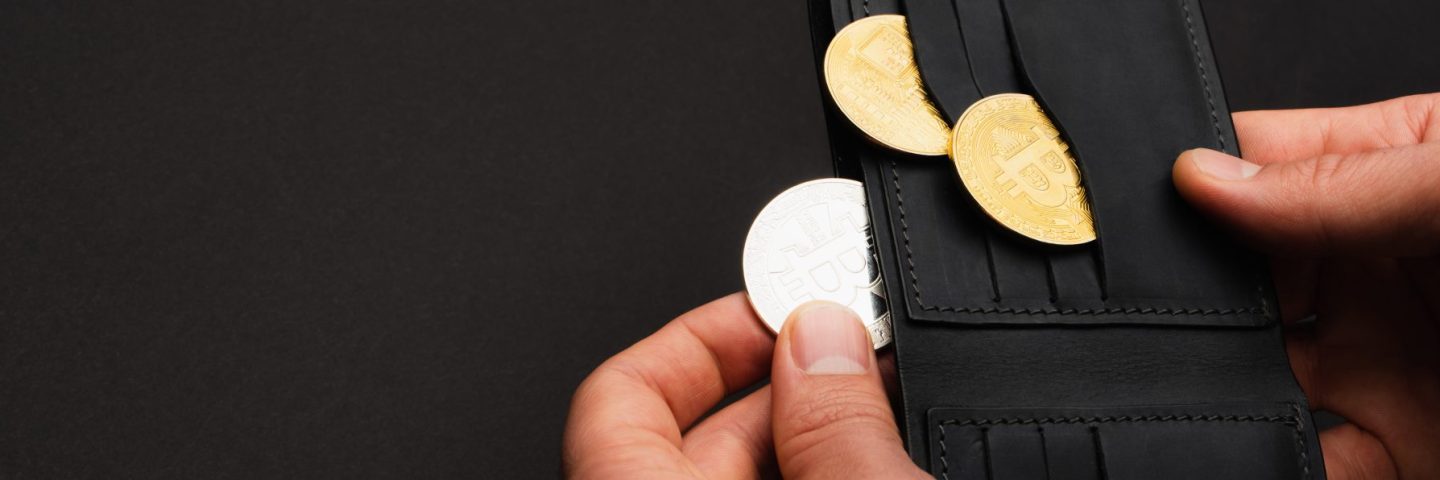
(870, 71)
(1013, 161)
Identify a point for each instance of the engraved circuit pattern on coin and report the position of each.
(870, 72)
(1013, 161)
(812, 242)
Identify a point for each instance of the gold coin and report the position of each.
(870, 71)
(1013, 161)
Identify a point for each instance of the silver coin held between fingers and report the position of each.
(813, 243)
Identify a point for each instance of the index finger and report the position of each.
(661, 385)
(1269, 136)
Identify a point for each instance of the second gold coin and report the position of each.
(1013, 161)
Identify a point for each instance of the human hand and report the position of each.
(825, 411)
(1347, 202)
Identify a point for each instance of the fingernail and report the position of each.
(828, 339)
(1220, 165)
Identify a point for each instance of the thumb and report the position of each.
(1381, 202)
(831, 417)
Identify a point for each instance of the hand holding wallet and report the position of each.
(1372, 354)
(1348, 217)
(1158, 351)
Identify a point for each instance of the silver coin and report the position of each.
(812, 242)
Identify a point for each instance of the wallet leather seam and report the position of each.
(1133, 310)
(1204, 77)
(1294, 421)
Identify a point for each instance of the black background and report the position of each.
(388, 238)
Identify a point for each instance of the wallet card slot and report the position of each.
(962, 48)
(1126, 82)
(1013, 449)
(1240, 441)
(987, 43)
(1022, 275)
(955, 250)
(1155, 262)
(941, 56)
(1076, 279)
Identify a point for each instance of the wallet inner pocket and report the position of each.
(1121, 443)
(1129, 100)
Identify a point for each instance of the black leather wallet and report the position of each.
(1153, 352)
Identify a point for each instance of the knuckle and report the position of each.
(1328, 200)
(607, 376)
(840, 405)
(1418, 112)
(1321, 174)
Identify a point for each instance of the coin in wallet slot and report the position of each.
(1013, 162)
(871, 74)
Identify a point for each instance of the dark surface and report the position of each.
(387, 239)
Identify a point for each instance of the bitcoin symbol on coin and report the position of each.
(813, 242)
(1007, 151)
(1012, 160)
(1038, 171)
(820, 271)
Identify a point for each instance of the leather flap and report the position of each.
(1131, 84)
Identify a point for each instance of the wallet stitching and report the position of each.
(1293, 421)
(1141, 310)
(1300, 440)
(1204, 75)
